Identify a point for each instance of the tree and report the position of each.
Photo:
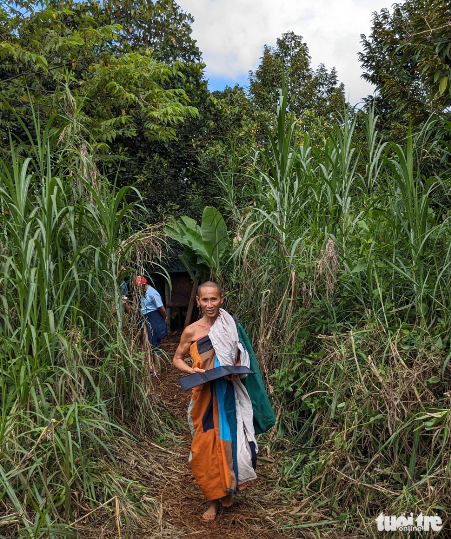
(204, 244)
(129, 77)
(65, 47)
(428, 41)
(204, 247)
(407, 58)
(177, 176)
(128, 93)
(315, 91)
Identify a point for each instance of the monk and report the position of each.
(224, 415)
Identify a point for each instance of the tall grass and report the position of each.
(341, 270)
(69, 378)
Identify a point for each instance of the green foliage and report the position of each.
(407, 58)
(66, 367)
(93, 65)
(341, 272)
(340, 266)
(205, 244)
(171, 178)
(312, 94)
(429, 44)
(69, 44)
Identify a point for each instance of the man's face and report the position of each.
(209, 300)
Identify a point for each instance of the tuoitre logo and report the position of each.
(408, 524)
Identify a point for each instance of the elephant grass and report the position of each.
(341, 273)
(70, 378)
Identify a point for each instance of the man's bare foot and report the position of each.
(227, 501)
(211, 512)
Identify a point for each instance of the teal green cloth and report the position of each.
(264, 417)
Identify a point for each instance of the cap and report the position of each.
(140, 280)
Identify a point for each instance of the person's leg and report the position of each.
(227, 501)
(212, 511)
(156, 363)
(149, 337)
(156, 352)
(157, 331)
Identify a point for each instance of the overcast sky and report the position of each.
(231, 35)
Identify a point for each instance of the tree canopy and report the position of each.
(407, 58)
(67, 46)
(314, 92)
(128, 78)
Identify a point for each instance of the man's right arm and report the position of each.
(182, 350)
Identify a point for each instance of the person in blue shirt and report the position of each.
(124, 288)
(154, 314)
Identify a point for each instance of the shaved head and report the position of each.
(210, 284)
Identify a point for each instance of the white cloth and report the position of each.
(245, 359)
(224, 338)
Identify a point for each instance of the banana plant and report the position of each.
(204, 244)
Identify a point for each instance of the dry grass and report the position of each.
(378, 433)
(327, 267)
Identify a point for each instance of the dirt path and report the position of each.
(173, 501)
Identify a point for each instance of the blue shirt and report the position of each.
(151, 301)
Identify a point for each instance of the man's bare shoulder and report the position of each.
(195, 325)
(188, 332)
(192, 329)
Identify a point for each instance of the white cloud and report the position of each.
(231, 33)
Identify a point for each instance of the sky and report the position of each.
(231, 35)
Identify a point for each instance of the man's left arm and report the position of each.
(159, 304)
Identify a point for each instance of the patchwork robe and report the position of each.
(223, 451)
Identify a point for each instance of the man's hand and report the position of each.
(196, 369)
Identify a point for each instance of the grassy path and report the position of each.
(175, 503)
